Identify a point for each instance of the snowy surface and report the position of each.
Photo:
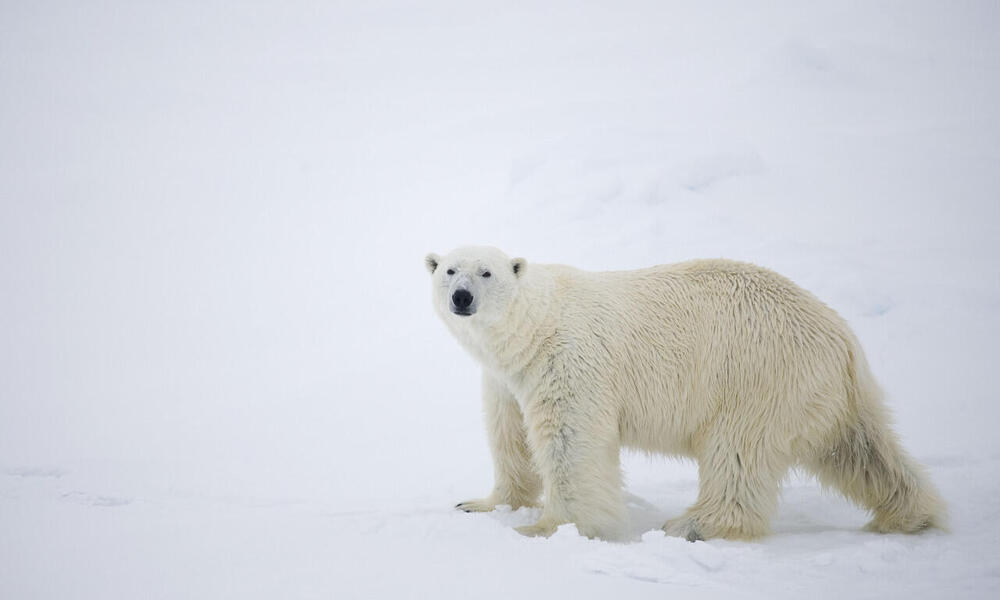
(220, 375)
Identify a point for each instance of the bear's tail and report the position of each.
(867, 464)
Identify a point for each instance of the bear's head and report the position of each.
(474, 283)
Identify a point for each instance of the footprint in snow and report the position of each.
(95, 499)
(710, 170)
(707, 556)
(53, 472)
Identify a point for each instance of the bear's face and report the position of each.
(475, 283)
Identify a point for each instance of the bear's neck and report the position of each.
(512, 346)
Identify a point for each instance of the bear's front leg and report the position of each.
(575, 444)
(515, 481)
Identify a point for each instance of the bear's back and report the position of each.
(715, 319)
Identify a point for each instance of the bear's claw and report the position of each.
(476, 506)
(684, 527)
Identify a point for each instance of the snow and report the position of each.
(220, 374)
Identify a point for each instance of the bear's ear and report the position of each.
(431, 262)
(518, 265)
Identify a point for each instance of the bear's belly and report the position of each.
(670, 445)
(655, 432)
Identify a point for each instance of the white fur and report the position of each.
(724, 362)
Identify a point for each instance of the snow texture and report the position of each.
(220, 373)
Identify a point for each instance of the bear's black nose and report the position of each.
(461, 299)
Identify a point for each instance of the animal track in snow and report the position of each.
(707, 171)
(36, 472)
(95, 499)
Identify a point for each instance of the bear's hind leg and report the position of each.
(863, 459)
(515, 481)
(868, 466)
(737, 492)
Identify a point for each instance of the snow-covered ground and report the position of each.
(220, 375)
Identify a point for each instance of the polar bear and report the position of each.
(724, 362)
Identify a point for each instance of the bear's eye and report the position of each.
(451, 271)
(486, 274)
